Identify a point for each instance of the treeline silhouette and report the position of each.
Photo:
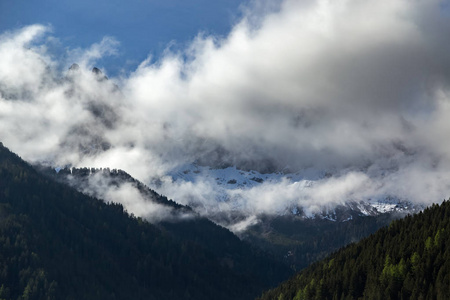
(409, 259)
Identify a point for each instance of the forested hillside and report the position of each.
(56, 243)
(226, 246)
(300, 242)
(292, 239)
(410, 259)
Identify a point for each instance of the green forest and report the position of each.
(409, 259)
(295, 241)
(300, 242)
(56, 243)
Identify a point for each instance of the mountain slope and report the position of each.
(410, 259)
(294, 239)
(180, 221)
(290, 230)
(57, 243)
(229, 185)
(300, 242)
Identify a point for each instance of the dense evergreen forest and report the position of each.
(409, 259)
(294, 240)
(56, 243)
(225, 245)
(300, 242)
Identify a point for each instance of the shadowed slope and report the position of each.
(57, 243)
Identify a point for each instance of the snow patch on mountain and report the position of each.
(232, 178)
(308, 194)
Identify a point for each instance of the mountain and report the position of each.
(294, 239)
(101, 104)
(229, 183)
(181, 221)
(57, 243)
(410, 259)
(300, 242)
(294, 234)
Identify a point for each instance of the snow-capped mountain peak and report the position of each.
(309, 193)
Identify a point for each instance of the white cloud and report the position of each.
(87, 57)
(357, 87)
(134, 201)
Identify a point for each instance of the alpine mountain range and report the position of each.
(310, 129)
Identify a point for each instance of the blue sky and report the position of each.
(142, 27)
(360, 89)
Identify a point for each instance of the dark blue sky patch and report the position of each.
(143, 27)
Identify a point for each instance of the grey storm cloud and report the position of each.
(360, 88)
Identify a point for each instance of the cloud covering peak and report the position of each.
(360, 88)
